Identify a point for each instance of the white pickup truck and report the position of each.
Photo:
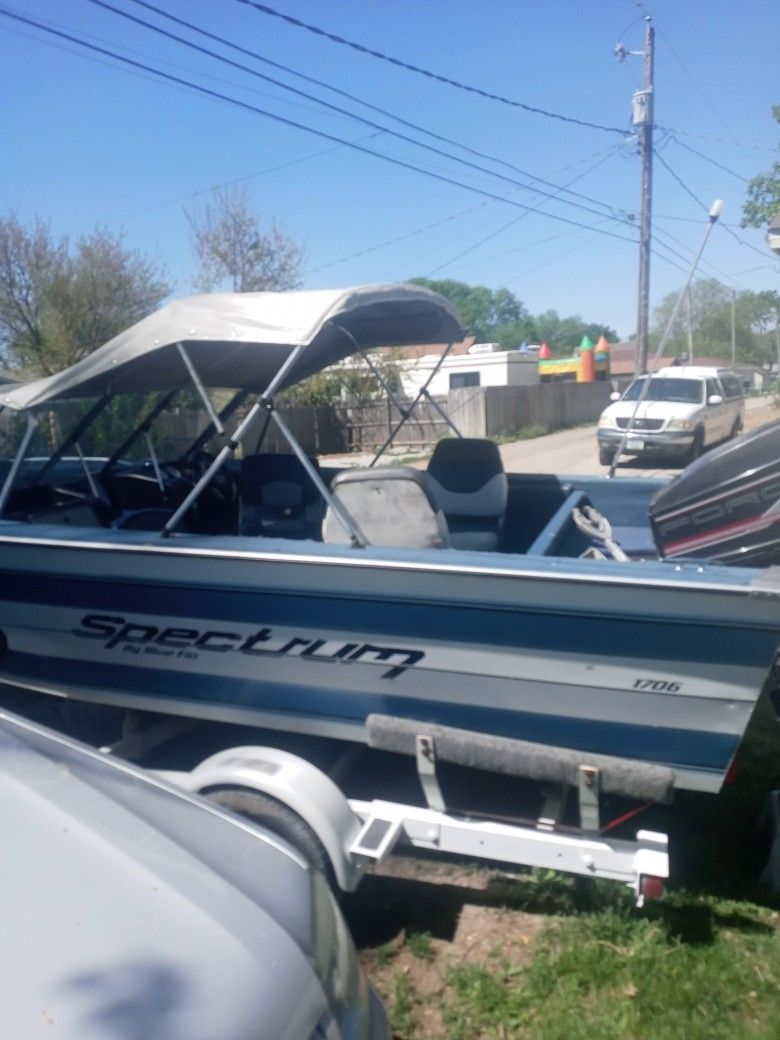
(682, 411)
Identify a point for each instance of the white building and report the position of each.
(484, 364)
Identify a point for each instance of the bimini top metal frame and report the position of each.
(254, 342)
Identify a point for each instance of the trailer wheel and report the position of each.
(276, 817)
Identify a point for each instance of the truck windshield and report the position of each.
(684, 391)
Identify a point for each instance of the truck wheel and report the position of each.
(606, 455)
(276, 817)
(696, 448)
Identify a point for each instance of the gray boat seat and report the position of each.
(391, 505)
(278, 498)
(467, 480)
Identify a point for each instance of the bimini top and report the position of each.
(241, 340)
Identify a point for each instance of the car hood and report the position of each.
(650, 409)
(133, 910)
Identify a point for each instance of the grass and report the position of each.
(619, 974)
(404, 1006)
(525, 433)
(701, 964)
(419, 945)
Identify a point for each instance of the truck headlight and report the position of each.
(680, 424)
(606, 422)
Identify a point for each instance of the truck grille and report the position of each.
(641, 424)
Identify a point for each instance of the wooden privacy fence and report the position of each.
(341, 427)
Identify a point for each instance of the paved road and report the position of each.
(575, 451)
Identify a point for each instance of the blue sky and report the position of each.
(88, 142)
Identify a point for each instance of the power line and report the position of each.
(398, 238)
(685, 69)
(355, 98)
(703, 206)
(301, 126)
(336, 108)
(505, 227)
(704, 97)
(690, 253)
(701, 155)
(601, 156)
(247, 177)
(361, 49)
(141, 54)
(719, 140)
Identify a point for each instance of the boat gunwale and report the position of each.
(545, 569)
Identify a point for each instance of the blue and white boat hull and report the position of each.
(657, 662)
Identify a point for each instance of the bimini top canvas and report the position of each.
(241, 340)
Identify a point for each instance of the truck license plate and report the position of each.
(635, 444)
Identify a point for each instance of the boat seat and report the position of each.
(278, 498)
(391, 505)
(467, 480)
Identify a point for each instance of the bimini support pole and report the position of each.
(32, 425)
(74, 436)
(144, 427)
(406, 413)
(265, 403)
(346, 520)
(215, 421)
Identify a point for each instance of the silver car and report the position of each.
(134, 911)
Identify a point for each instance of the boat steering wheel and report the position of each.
(222, 486)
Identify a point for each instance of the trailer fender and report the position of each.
(294, 783)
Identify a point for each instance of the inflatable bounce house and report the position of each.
(587, 365)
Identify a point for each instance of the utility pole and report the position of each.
(643, 118)
(690, 325)
(733, 327)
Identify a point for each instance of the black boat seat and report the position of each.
(467, 480)
(278, 498)
(391, 505)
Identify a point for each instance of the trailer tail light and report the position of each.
(731, 773)
(651, 887)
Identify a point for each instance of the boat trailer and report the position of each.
(356, 834)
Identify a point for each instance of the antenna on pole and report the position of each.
(643, 119)
(715, 211)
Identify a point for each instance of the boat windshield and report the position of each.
(683, 391)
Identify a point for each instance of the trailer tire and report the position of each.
(278, 818)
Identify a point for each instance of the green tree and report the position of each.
(493, 316)
(712, 307)
(763, 193)
(763, 311)
(351, 380)
(59, 303)
(564, 335)
(235, 252)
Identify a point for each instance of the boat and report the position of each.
(269, 590)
